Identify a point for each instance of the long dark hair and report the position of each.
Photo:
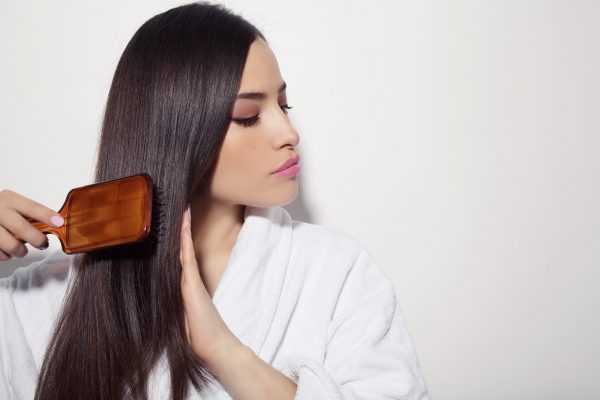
(168, 109)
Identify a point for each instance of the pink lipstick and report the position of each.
(289, 168)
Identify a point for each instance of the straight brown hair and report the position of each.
(167, 112)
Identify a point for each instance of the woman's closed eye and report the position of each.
(252, 121)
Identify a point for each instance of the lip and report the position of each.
(290, 161)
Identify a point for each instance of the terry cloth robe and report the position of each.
(307, 299)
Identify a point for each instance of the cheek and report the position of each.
(240, 165)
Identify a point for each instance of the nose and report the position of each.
(286, 133)
(292, 134)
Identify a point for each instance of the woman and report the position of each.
(235, 299)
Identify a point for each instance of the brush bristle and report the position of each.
(156, 226)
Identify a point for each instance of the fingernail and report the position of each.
(57, 220)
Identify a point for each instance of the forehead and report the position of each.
(261, 71)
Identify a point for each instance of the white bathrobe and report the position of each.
(307, 299)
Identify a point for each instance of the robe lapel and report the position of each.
(249, 290)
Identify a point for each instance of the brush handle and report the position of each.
(60, 232)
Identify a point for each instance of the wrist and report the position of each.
(232, 353)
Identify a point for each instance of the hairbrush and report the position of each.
(106, 214)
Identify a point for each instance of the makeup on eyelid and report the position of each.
(253, 120)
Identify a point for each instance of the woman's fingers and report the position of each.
(187, 255)
(192, 285)
(31, 208)
(13, 210)
(187, 329)
(4, 256)
(10, 246)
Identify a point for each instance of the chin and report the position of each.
(289, 195)
(277, 198)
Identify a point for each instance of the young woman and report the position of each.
(236, 299)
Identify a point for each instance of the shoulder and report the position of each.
(339, 255)
(322, 238)
(36, 288)
(30, 300)
(53, 268)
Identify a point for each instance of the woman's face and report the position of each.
(259, 139)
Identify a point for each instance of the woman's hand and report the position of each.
(209, 336)
(13, 210)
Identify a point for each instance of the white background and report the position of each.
(458, 141)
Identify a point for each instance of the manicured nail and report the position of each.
(57, 220)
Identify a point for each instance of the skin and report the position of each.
(14, 207)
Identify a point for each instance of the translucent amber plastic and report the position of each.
(104, 214)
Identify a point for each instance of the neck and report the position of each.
(215, 227)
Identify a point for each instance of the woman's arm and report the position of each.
(245, 376)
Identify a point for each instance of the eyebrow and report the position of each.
(259, 95)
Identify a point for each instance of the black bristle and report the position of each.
(156, 228)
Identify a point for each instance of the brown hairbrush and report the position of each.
(105, 214)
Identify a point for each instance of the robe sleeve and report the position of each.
(17, 370)
(369, 351)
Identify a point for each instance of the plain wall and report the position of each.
(458, 141)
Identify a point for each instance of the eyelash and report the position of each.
(250, 122)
